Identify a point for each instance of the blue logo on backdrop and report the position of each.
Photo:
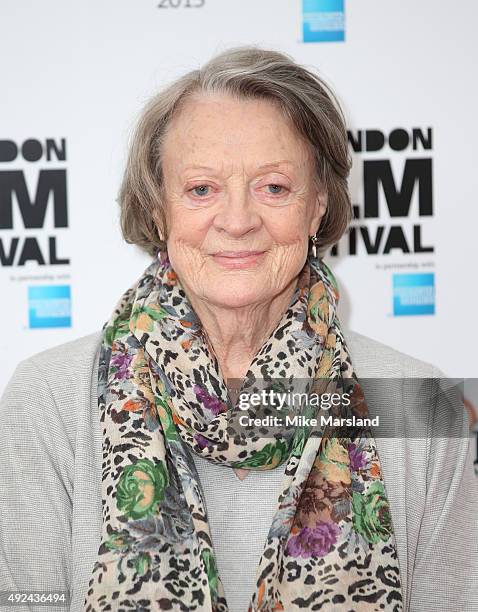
(414, 294)
(49, 306)
(323, 20)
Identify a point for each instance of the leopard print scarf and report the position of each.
(162, 397)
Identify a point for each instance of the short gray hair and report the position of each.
(243, 72)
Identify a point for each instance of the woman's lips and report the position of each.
(237, 259)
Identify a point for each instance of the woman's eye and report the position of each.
(200, 190)
(275, 189)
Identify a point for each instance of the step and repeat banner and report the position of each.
(76, 74)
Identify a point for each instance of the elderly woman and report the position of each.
(123, 482)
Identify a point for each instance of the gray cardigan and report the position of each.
(50, 481)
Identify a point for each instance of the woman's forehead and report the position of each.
(230, 121)
(204, 137)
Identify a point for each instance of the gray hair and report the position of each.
(243, 72)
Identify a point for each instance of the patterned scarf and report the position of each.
(162, 397)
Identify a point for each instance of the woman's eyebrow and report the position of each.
(267, 166)
(277, 164)
(274, 164)
(198, 167)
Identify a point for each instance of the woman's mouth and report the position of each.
(237, 259)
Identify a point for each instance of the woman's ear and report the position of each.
(158, 224)
(320, 208)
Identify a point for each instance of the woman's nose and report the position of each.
(238, 214)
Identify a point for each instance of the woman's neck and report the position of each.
(235, 335)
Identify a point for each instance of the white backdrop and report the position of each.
(79, 71)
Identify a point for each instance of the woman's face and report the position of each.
(240, 200)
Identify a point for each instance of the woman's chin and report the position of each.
(236, 294)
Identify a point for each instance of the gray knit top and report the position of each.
(50, 486)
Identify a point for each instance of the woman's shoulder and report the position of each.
(63, 365)
(55, 386)
(78, 355)
(411, 397)
(372, 358)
